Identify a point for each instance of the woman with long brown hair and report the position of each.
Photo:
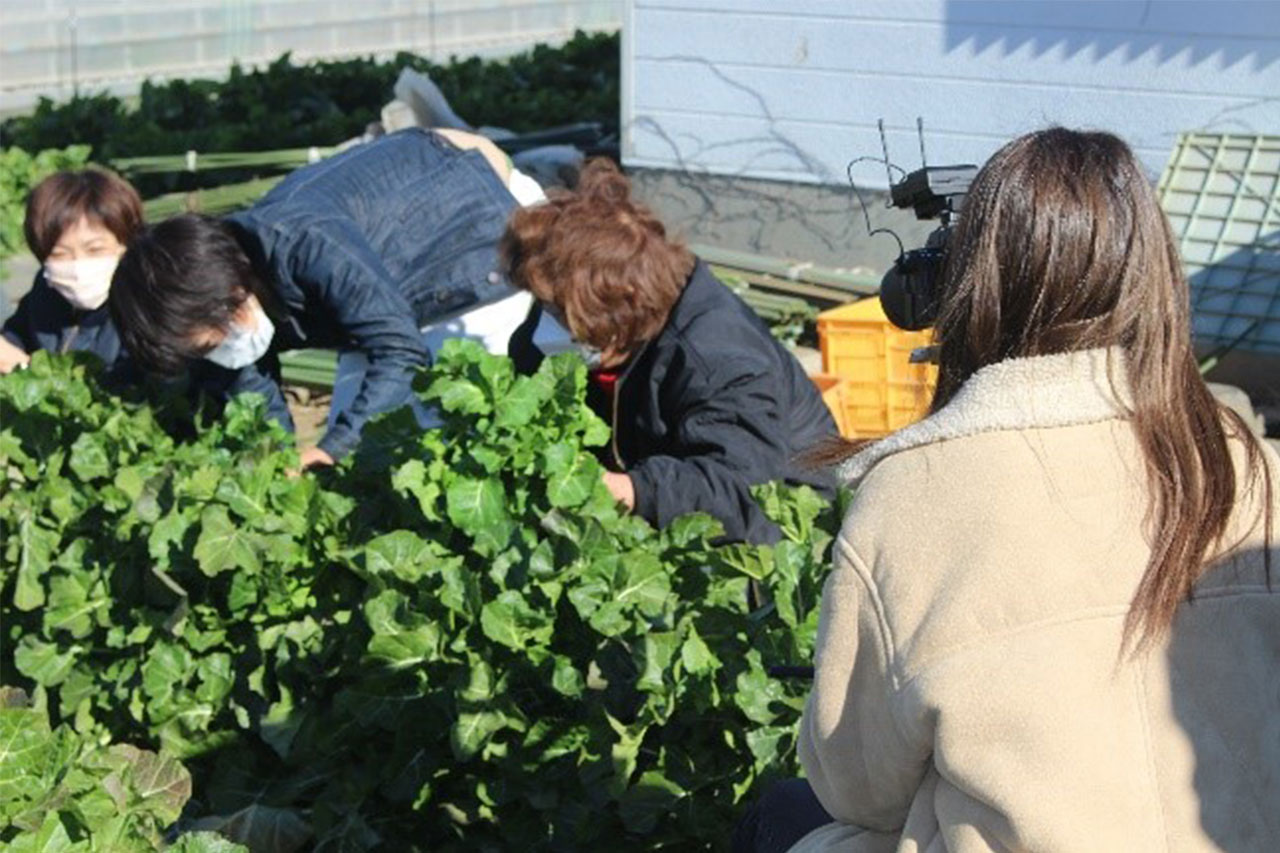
(1053, 622)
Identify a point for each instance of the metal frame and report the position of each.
(1221, 193)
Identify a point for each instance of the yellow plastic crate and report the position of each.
(871, 386)
(832, 390)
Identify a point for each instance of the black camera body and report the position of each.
(909, 290)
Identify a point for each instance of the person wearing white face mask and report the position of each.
(381, 252)
(77, 225)
(247, 340)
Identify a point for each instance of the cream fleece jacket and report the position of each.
(970, 692)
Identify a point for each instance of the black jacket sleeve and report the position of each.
(730, 436)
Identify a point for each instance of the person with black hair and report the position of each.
(380, 251)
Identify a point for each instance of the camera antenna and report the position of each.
(884, 146)
(924, 161)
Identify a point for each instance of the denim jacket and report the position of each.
(364, 248)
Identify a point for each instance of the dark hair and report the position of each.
(1063, 246)
(600, 258)
(177, 278)
(63, 198)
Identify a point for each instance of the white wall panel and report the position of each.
(768, 89)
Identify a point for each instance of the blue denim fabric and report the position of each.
(364, 248)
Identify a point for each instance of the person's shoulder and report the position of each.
(40, 291)
(716, 329)
(705, 298)
(41, 308)
(273, 234)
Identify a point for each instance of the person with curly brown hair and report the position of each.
(703, 401)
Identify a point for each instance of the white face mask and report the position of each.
(242, 347)
(551, 338)
(84, 283)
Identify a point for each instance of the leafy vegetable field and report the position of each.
(289, 105)
(454, 640)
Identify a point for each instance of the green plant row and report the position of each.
(289, 105)
(454, 640)
(194, 161)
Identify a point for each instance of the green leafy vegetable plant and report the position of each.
(290, 105)
(61, 791)
(456, 640)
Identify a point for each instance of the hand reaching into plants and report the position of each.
(621, 487)
(314, 457)
(12, 357)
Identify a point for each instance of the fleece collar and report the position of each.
(1018, 393)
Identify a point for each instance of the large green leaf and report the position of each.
(522, 402)
(510, 621)
(76, 600)
(573, 475)
(28, 753)
(478, 507)
(459, 396)
(36, 546)
(696, 656)
(224, 546)
(89, 458)
(646, 584)
(45, 663)
(402, 554)
(474, 729)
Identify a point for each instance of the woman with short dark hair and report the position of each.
(1053, 622)
(703, 401)
(77, 225)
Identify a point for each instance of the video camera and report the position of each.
(909, 290)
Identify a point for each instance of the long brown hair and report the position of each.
(1062, 246)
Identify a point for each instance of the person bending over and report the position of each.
(359, 252)
(704, 403)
